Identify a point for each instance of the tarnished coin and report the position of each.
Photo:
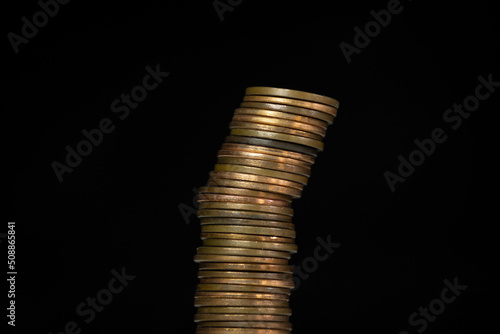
(242, 288)
(275, 268)
(221, 330)
(304, 171)
(250, 237)
(285, 247)
(244, 192)
(247, 207)
(292, 102)
(243, 214)
(239, 317)
(307, 158)
(290, 109)
(246, 176)
(248, 324)
(238, 259)
(250, 185)
(265, 231)
(293, 94)
(273, 128)
(280, 137)
(246, 222)
(282, 116)
(245, 310)
(241, 295)
(262, 172)
(242, 274)
(240, 199)
(242, 252)
(239, 302)
(282, 145)
(319, 131)
(262, 156)
(249, 281)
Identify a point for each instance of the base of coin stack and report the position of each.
(245, 278)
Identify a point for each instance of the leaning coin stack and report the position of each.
(245, 211)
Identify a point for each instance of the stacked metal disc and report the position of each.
(245, 210)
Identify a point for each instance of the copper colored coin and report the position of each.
(245, 176)
(284, 247)
(243, 214)
(247, 222)
(282, 116)
(242, 274)
(275, 268)
(242, 288)
(274, 128)
(319, 131)
(282, 145)
(265, 231)
(239, 302)
(261, 156)
(242, 252)
(293, 94)
(245, 310)
(222, 330)
(247, 207)
(244, 192)
(276, 136)
(274, 174)
(240, 199)
(292, 102)
(241, 295)
(251, 237)
(239, 259)
(239, 317)
(258, 186)
(269, 150)
(290, 109)
(305, 171)
(248, 324)
(249, 281)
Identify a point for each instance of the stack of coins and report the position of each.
(245, 210)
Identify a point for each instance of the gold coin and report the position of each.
(241, 295)
(266, 231)
(261, 156)
(246, 310)
(238, 259)
(246, 222)
(242, 252)
(292, 102)
(240, 199)
(276, 268)
(239, 302)
(293, 94)
(273, 128)
(249, 281)
(247, 207)
(242, 288)
(286, 247)
(251, 237)
(289, 109)
(244, 192)
(282, 145)
(230, 330)
(255, 178)
(248, 324)
(321, 132)
(279, 136)
(247, 185)
(242, 274)
(305, 171)
(262, 172)
(243, 214)
(239, 317)
(282, 116)
(306, 158)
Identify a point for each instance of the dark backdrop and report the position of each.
(119, 208)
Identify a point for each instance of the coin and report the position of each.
(242, 288)
(244, 176)
(246, 267)
(239, 317)
(292, 192)
(213, 330)
(261, 156)
(247, 207)
(243, 274)
(290, 109)
(251, 237)
(282, 116)
(246, 222)
(305, 171)
(240, 199)
(245, 310)
(262, 172)
(239, 302)
(249, 281)
(248, 324)
(242, 252)
(306, 158)
(292, 102)
(266, 231)
(244, 192)
(279, 136)
(274, 128)
(319, 131)
(238, 259)
(283, 145)
(293, 94)
(243, 214)
(250, 244)
(241, 295)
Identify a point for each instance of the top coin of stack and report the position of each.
(245, 210)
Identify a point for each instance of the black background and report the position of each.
(120, 206)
